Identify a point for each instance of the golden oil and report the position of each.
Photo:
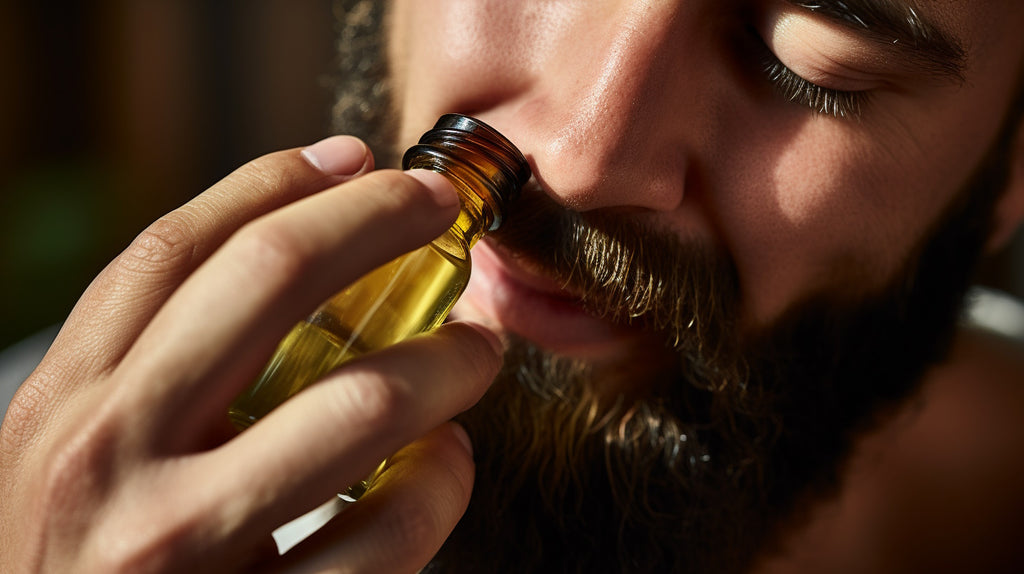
(411, 294)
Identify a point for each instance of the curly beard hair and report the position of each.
(697, 470)
(362, 84)
(689, 458)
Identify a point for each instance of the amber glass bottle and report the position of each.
(413, 293)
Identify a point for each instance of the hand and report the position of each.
(116, 454)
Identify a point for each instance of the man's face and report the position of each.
(667, 113)
(776, 191)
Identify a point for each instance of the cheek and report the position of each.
(818, 206)
(811, 203)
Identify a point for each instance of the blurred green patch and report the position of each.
(54, 221)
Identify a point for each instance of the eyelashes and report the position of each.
(791, 87)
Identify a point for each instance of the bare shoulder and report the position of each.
(940, 486)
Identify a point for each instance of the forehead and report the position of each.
(990, 32)
(969, 21)
(979, 25)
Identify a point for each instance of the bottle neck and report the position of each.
(476, 216)
(474, 219)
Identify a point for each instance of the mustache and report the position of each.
(625, 269)
(661, 430)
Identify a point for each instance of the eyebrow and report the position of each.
(899, 26)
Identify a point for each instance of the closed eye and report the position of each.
(827, 101)
(794, 88)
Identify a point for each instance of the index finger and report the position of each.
(123, 298)
(336, 432)
(212, 336)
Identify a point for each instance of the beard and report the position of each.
(691, 457)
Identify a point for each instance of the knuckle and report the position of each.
(264, 175)
(413, 526)
(459, 470)
(93, 497)
(127, 552)
(168, 241)
(75, 479)
(271, 250)
(79, 468)
(24, 413)
(472, 357)
(370, 400)
(127, 545)
(479, 359)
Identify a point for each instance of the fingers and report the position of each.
(334, 433)
(125, 296)
(185, 318)
(227, 317)
(404, 519)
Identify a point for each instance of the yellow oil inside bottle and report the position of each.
(409, 295)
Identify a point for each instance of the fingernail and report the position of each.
(463, 437)
(337, 155)
(443, 191)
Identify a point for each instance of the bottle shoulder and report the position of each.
(452, 246)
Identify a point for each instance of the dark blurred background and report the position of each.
(113, 112)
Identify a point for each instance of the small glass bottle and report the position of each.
(411, 294)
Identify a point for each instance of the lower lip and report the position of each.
(532, 307)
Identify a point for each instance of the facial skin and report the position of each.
(672, 389)
(831, 213)
(660, 110)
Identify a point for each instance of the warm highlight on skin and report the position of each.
(688, 466)
(686, 457)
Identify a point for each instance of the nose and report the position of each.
(609, 117)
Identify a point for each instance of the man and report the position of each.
(750, 229)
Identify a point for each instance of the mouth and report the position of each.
(508, 294)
